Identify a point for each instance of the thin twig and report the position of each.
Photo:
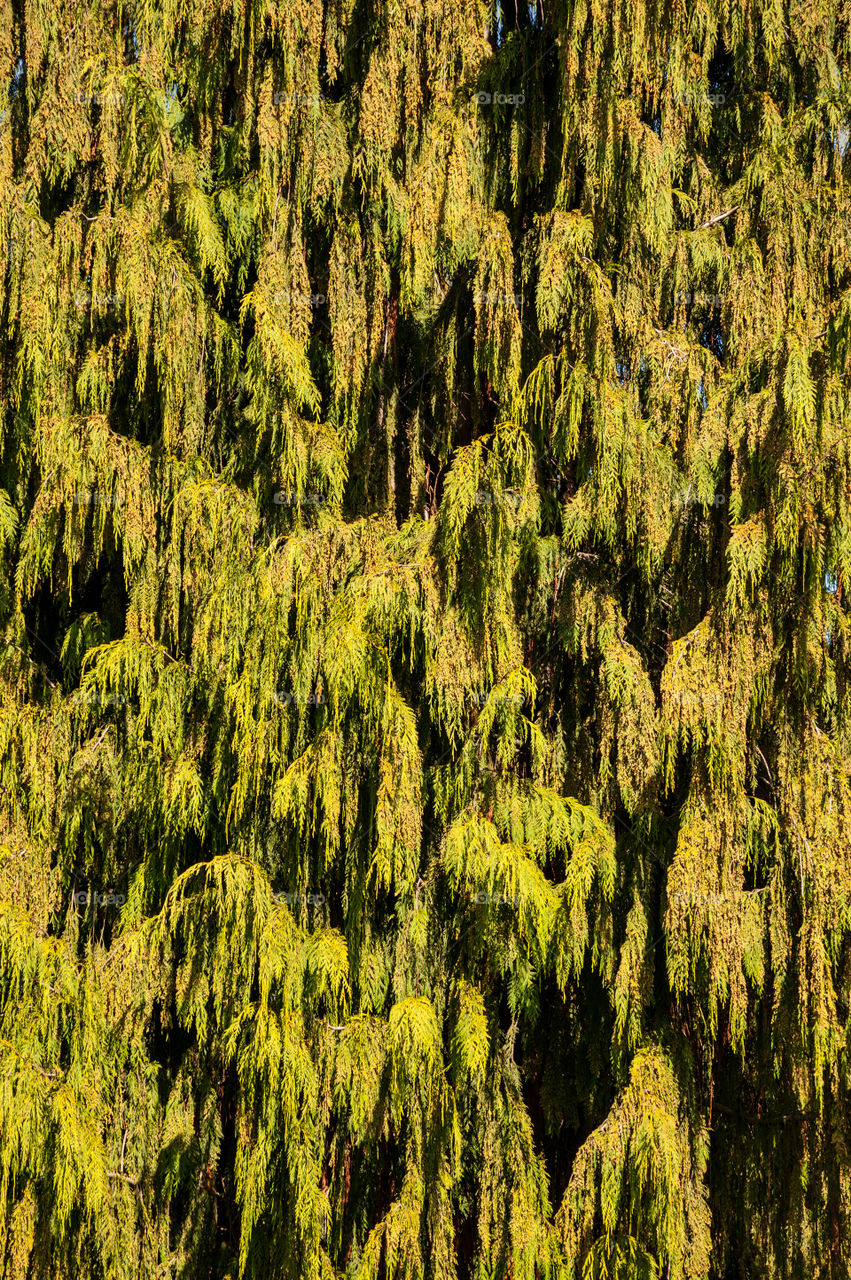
(718, 218)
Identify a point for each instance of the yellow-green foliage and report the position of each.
(425, 530)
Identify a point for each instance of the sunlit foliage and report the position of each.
(425, 759)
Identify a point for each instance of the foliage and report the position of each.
(425, 758)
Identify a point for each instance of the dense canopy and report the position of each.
(425, 759)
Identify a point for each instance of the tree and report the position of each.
(425, 512)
